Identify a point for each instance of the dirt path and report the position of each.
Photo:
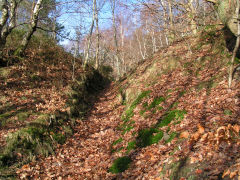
(87, 154)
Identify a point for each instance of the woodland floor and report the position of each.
(87, 155)
(204, 143)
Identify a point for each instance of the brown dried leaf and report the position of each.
(184, 134)
(226, 173)
(200, 128)
(233, 174)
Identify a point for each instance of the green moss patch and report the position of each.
(37, 138)
(153, 106)
(117, 141)
(22, 116)
(4, 72)
(131, 146)
(120, 165)
(27, 143)
(4, 118)
(170, 116)
(171, 137)
(129, 112)
(156, 102)
(147, 137)
(228, 112)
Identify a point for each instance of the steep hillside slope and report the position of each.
(40, 103)
(173, 118)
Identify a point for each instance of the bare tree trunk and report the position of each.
(204, 13)
(140, 47)
(74, 61)
(172, 31)
(4, 16)
(230, 78)
(122, 31)
(153, 42)
(192, 14)
(160, 39)
(98, 37)
(9, 13)
(166, 39)
(54, 35)
(165, 21)
(3, 21)
(115, 38)
(32, 28)
(89, 37)
(12, 22)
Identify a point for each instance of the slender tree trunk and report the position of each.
(166, 39)
(5, 15)
(192, 14)
(115, 38)
(154, 48)
(160, 39)
(54, 35)
(32, 28)
(3, 21)
(204, 13)
(9, 13)
(98, 37)
(140, 46)
(89, 37)
(231, 68)
(122, 47)
(172, 30)
(166, 33)
(12, 22)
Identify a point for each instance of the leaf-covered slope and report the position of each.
(39, 103)
(173, 118)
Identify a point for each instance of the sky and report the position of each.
(71, 19)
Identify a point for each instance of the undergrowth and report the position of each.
(145, 137)
(38, 138)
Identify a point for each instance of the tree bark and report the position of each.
(142, 52)
(231, 68)
(98, 36)
(165, 18)
(3, 21)
(192, 14)
(32, 29)
(172, 31)
(9, 13)
(6, 30)
(89, 37)
(122, 32)
(115, 38)
(5, 15)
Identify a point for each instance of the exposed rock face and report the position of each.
(226, 12)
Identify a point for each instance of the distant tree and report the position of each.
(32, 27)
(7, 21)
(89, 42)
(113, 6)
(97, 34)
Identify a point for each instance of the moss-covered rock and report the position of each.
(183, 169)
(4, 72)
(226, 10)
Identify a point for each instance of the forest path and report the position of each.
(87, 154)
